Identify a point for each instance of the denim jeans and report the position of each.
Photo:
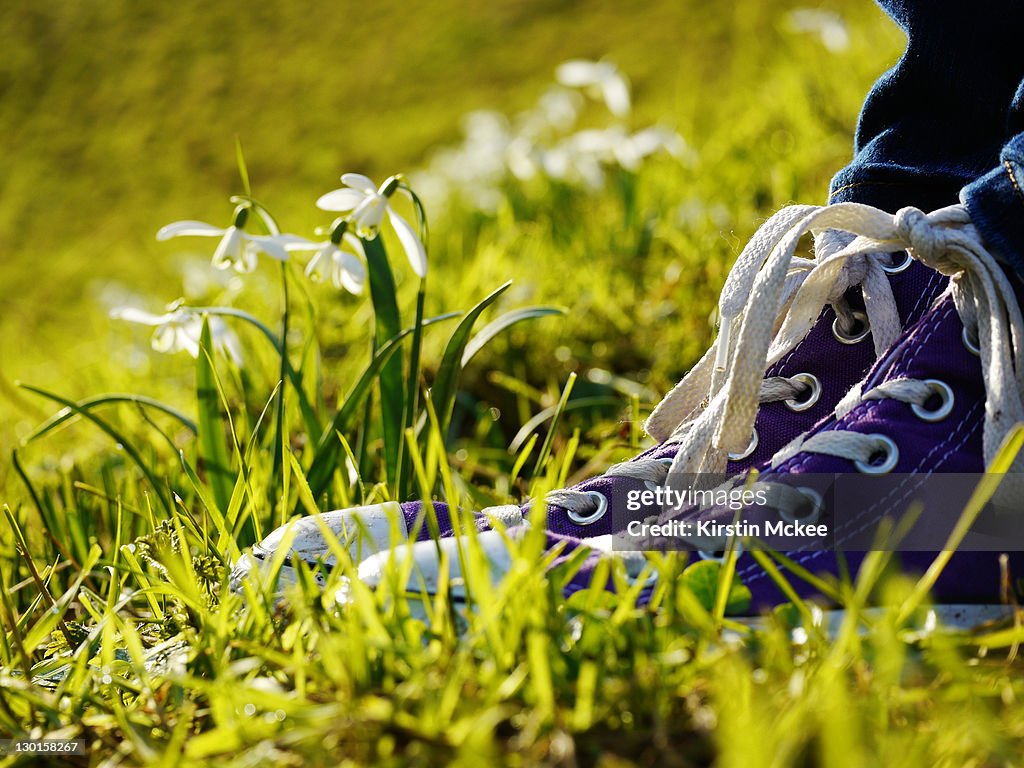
(947, 122)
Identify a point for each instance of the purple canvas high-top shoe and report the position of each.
(851, 307)
(942, 400)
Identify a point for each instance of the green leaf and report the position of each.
(326, 458)
(493, 328)
(116, 436)
(115, 397)
(549, 438)
(243, 169)
(212, 443)
(701, 578)
(535, 421)
(309, 416)
(442, 394)
(388, 324)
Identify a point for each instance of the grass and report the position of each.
(120, 520)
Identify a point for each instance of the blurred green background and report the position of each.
(118, 117)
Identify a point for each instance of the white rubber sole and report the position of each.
(949, 616)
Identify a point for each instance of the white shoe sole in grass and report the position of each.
(363, 531)
(949, 616)
(376, 537)
(425, 574)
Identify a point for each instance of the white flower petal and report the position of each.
(411, 243)
(225, 340)
(165, 338)
(229, 250)
(349, 272)
(187, 336)
(555, 163)
(357, 181)
(616, 95)
(628, 156)
(368, 216)
(341, 200)
(351, 284)
(189, 228)
(296, 243)
(270, 245)
(577, 73)
(355, 244)
(320, 263)
(248, 259)
(133, 315)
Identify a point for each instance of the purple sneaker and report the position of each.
(942, 400)
(814, 334)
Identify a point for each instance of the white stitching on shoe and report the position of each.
(968, 419)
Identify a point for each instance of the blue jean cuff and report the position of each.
(891, 188)
(996, 205)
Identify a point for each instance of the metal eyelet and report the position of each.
(895, 269)
(751, 447)
(650, 484)
(602, 506)
(889, 452)
(719, 558)
(945, 393)
(972, 346)
(817, 502)
(852, 338)
(810, 397)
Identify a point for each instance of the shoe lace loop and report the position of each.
(771, 299)
(947, 241)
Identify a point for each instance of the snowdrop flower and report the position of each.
(237, 248)
(615, 146)
(600, 76)
(558, 108)
(179, 330)
(572, 163)
(344, 267)
(368, 205)
(522, 158)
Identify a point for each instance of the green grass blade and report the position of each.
(1001, 464)
(326, 458)
(545, 449)
(114, 434)
(212, 444)
(412, 387)
(531, 426)
(391, 377)
(285, 368)
(507, 320)
(243, 168)
(64, 414)
(309, 416)
(442, 394)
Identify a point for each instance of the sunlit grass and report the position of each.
(124, 511)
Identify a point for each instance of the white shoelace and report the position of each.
(946, 241)
(771, 299)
